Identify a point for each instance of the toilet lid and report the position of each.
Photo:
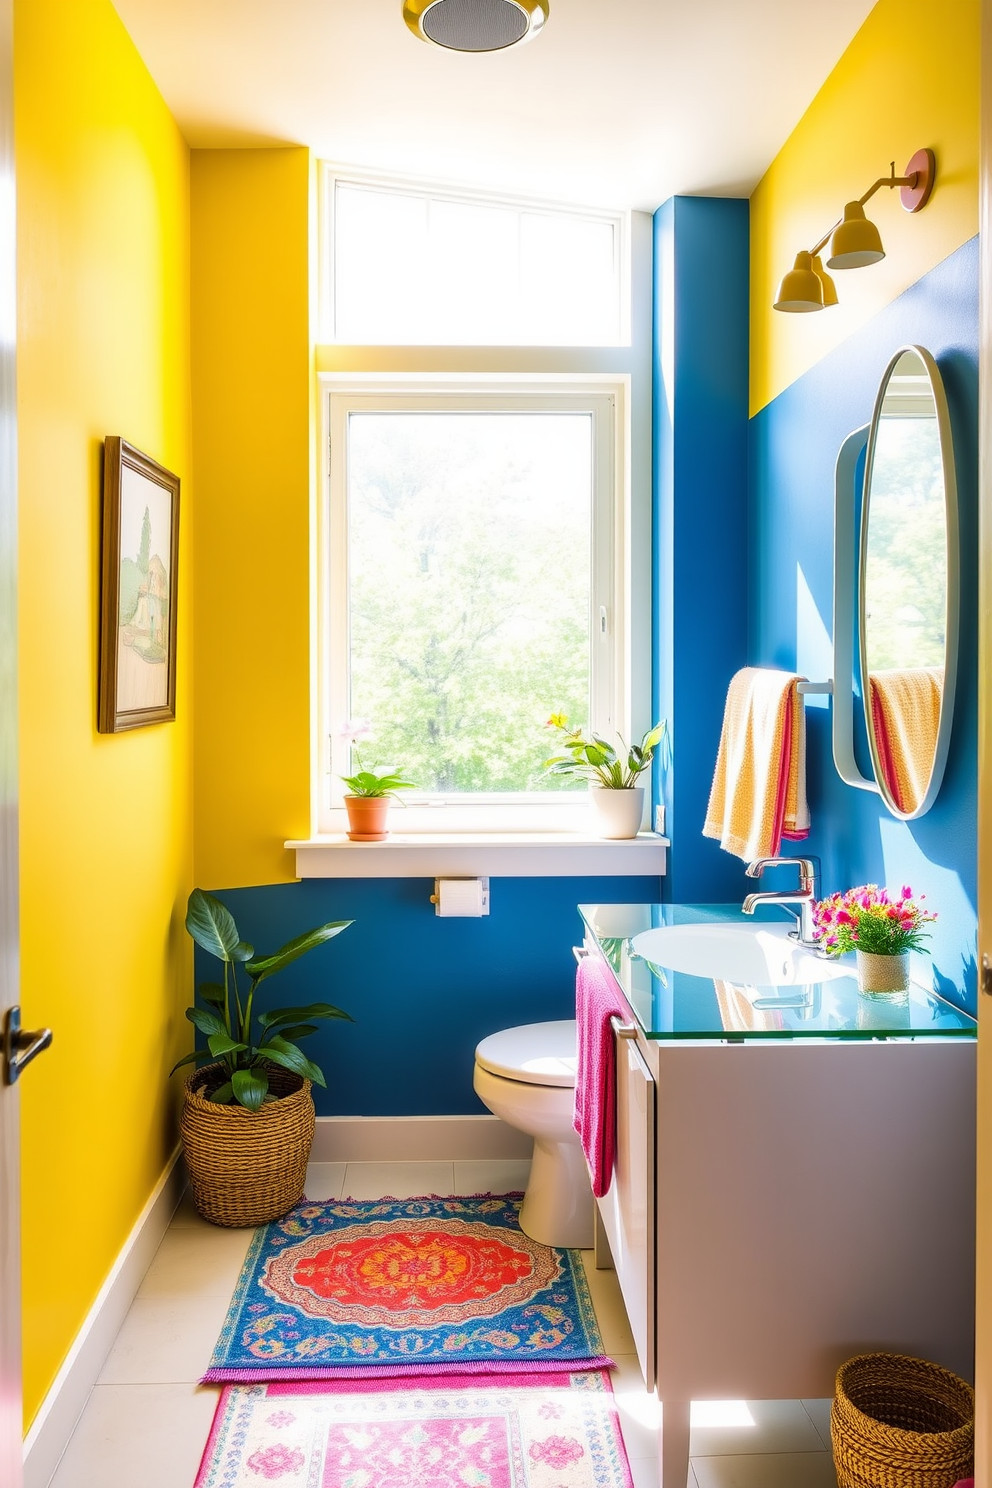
(536, 1053)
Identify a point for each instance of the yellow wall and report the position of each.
(106, 820)
(908, 79)
(252, 393)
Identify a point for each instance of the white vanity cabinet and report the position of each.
(625, 1216)
(781, 1204)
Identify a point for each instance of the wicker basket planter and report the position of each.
(899, 1422)
(247, 1167)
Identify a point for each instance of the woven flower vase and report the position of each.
(247, 1167)
(882, 974)
(899, 1422)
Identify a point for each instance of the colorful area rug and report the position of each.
(354, 1289)
(454, 1431)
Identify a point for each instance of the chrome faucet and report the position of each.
(801, 902)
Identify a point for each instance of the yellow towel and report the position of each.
(759, 786)
(905, 707)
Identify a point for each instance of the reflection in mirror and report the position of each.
(909, 583)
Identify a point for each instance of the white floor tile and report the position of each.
(645, 1473)
(403, 1180)
(148, 1434)
(819, 1413)
(201, 1261)
(165, 1340)
(186, 1216)
(324, 1180)
(498, 1176)
(639, 1411)
(774, 1470)
(779, 1426)
(610, 1311)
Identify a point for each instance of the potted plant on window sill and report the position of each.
(247, 1121)
(617, 801)
(370, 791)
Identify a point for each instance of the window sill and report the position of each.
(481, 855)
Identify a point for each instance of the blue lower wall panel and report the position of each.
(422, 990)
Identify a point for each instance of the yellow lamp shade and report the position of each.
(856, 242)
(826, 283)
(801, 289)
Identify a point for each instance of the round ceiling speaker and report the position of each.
(475, 25)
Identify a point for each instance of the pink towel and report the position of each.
(597, 1000)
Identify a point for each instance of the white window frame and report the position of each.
(329, 174)
(607, 399)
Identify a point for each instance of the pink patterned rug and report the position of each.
(552, 1430)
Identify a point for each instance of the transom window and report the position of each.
(405, 265)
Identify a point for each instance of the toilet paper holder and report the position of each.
(464, 898)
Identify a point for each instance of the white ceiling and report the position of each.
(617, 103)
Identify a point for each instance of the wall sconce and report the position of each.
(854, 240)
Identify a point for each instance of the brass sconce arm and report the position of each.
(854, 241)
(912, 181)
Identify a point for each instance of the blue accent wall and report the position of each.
(422, 990)
(700, 514)
(793, 447)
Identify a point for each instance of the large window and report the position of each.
(405, 265)
(471, 588)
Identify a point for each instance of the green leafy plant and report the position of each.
(594, 760)
(377, 781)
(246, 1048)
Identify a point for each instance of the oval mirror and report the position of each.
(908, 612)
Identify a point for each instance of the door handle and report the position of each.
(20, 1046)
(622, 1030)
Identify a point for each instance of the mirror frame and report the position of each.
(953, 591)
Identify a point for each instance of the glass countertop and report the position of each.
(673, 1004)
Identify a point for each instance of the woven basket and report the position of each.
(247, 1167)
(898, 1422)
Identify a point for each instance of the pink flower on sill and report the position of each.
(907, 892)
(276, 1462)
(356, 731)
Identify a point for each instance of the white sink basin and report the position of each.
(759, 955)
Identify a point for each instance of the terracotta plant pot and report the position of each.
(616, 814)
(367, 818)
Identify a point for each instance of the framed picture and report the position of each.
(138, 591)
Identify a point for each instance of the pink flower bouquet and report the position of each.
(869, 919)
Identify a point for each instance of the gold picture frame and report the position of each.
(138, 590)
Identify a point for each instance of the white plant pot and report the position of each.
(616, 813)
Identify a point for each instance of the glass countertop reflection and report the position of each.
(707, 971)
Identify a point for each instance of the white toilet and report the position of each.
(526, 1076)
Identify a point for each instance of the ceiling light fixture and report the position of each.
(475, 25)
(854, 240)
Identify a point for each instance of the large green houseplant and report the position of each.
(248, 1119)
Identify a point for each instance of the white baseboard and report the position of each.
(63, 1405)
(407, 1138)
